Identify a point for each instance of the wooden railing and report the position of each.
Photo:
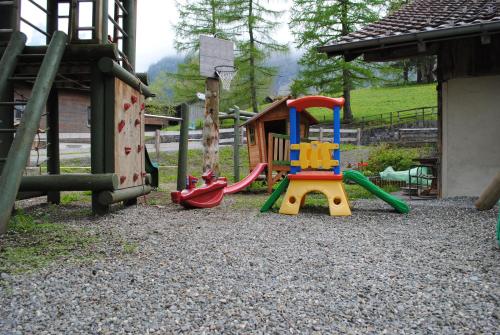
(420, 114)
(324, 134)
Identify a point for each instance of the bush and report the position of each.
(399, 158)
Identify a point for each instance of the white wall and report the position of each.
(471, 134)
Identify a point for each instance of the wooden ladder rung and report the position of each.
(13, 103)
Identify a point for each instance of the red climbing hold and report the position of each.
(121, 125)
(126, 106)
(144, 174)
(139, 148)
(128, 150)
(122, 179)
(133, 99)
(136, 176)
(143, 106)
(137, 122)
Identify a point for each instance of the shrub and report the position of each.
(399, 158)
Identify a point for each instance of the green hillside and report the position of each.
(370, 101)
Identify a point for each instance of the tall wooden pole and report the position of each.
(183, 149)
(211, 126)
(236, 146)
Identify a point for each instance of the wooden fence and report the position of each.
(324, 134)
(413, 115)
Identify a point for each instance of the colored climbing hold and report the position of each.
(137, 122)
(128, 150)
(143, 174)
(121, 125)
(143, 106)
(126, 106)
(136, 176)
(139, 148)
(122, 179)
(133, 99)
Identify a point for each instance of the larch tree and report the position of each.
(317, 23)
(255, 23)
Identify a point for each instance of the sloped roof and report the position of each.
(423, 17)
(275, 104)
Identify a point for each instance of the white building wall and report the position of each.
(471, 134)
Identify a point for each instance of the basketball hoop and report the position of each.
(226, 74)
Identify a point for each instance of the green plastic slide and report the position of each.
(275, 195)
(362, 181)
(152, 168)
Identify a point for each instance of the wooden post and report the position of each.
(211, 126)
(183, 149)
(490, 195)
(157, 145)
(236, 146)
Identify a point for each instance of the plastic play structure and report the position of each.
(211, 193)
(322, 161)
(89, 59)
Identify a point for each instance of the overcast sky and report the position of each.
(155, 33)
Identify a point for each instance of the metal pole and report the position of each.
(236, 148)
(53, 162)
(21, 146)
(183, 149)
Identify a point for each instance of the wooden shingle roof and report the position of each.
(421, 17)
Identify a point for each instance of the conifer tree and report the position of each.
(320, 22)
(255, 22)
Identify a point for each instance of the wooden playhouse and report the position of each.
(268, 138)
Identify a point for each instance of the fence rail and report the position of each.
(346, 135)
(420, 114)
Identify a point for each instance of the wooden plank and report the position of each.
(275, 149)
(287, 150)
(280, 148)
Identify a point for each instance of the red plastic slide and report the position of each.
(245, 182)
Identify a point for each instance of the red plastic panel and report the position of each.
(315, 101)
(315, 175)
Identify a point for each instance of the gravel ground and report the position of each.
(435, 270)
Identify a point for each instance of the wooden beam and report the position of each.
(211, 127)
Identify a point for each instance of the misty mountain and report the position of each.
(167, 64)
(286, 65)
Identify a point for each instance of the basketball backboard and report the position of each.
(214, 52)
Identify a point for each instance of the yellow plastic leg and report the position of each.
(332, 189)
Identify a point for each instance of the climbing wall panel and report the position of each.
(129, 135)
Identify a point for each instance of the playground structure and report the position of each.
(268, 139)
(324, 160)
(92, 59)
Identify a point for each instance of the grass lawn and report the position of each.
(371, 101)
